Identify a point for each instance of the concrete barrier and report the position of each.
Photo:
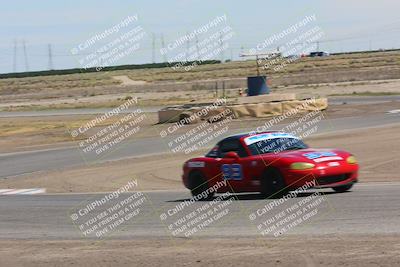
(256, 110)
(306, 105)
(266, 98)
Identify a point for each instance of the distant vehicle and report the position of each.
(271, 163)
(293, 57)
(319, 54)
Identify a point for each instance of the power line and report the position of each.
(236, 46)
(153, 53)
(163, 48)
(187, 47)
(25, 55)
(22, 44)
(51, 66)
(221, 46)
(197, 47)
(15, 56)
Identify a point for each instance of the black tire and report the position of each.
(343, 188)
(199, 185)
(273, 184)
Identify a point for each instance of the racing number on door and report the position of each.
(232, 171)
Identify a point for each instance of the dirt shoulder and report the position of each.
(374, 152)
(165, 94)
(353, 250)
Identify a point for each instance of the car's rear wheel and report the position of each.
(199, 186)
(343, 188)
(273, 184)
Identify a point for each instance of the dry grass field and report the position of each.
(69, 91)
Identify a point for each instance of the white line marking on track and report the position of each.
(28, 191)
(394, 111)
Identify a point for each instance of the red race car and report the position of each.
(271, 163)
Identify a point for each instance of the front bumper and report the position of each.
(323, 177)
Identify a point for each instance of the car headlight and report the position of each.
(351, 160)
(301, 166)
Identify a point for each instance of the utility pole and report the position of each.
(197, 48)
(221, 47)
(100, 57)
(15, 56)
(153, 53)
(25, 55)
(187, 47)
(51, 66)
(163, 48)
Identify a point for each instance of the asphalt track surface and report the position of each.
(367, 209)
(339, 100)
(13, 164)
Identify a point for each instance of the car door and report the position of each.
(235, 170)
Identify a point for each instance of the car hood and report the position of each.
(314, 155)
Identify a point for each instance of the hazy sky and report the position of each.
(347, 25)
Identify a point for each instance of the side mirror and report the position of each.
(231, 155)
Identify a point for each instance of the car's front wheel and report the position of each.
(343, 188)
(199, 186)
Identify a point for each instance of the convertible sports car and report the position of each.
(271, 163)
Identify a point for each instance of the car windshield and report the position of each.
(276, 145)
